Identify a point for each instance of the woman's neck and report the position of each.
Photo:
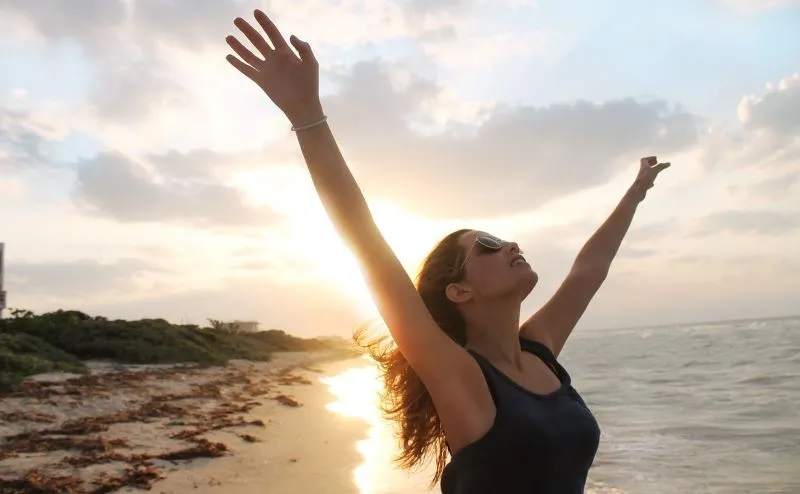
(493, 332)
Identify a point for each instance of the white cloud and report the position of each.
(533, 154)
(26, 139)
(756, 6)
(758, 222)
(769, 141)
(76, 279)
(114, 185)
(777, 110)
(484, 50)
(91, 23)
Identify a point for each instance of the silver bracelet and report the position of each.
(312, 124)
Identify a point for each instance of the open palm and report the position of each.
(290, 81)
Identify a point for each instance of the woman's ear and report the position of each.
(458, 293)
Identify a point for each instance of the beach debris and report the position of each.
(141, 476)
(36, 481)
(45, 418)
(34, 442)
(185, 416)
(202, 449)
(287, 400)
(291, 379)
(259, 388)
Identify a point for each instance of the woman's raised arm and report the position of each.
(292, 83)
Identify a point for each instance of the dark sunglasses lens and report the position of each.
(490, 243)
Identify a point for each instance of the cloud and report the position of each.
(428, 7)
(131, 91)
(89, 22)
(697, 289)
(778, 110)
(528, 154)
(652, 231)
(131, 76)
(756, 6)
(192, 24)
(759, 222)
(780, 186)
(113, 185)
(770, 133)
(75, 278)
(25, 141)
(197, 163)
(477, 50)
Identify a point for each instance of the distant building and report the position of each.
(242, 326)
(2, 291)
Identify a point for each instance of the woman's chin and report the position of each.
(528, 282)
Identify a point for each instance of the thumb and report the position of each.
(303, 48)
(661, 167)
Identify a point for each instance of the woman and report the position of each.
(465, 378)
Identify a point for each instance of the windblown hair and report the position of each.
(406, 401)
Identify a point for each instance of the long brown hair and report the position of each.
(406, 401)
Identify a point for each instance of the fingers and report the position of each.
(244, 53)
(303, 49)
(272, 31)
(242, 67)
(253, 35)
(648, 161)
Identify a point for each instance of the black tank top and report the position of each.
(538, 444)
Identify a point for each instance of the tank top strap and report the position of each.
(489, 375)
(546, 355)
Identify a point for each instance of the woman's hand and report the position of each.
(291, 82)
(649, 168)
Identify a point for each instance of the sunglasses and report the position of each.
(486, 244)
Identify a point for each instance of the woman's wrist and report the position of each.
(305, 113)
(635, 193)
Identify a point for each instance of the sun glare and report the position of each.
(357, 392)
(409, 237)
(307, 232)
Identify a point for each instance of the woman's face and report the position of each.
(494, 268)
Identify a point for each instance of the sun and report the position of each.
(409, 237)
(309, 234)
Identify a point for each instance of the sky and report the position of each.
(143, 177)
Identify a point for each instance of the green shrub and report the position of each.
(61, 340)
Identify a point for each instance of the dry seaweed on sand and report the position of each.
(27, 416)
(37, 443)
(141, 476)
(35, 481)
(287, 400)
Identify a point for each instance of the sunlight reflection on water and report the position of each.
(357, 395)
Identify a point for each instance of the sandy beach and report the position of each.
(241, 428)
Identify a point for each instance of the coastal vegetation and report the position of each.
(64, 339)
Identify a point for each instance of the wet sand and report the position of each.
(246, 427)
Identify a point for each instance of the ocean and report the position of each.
(695, 408)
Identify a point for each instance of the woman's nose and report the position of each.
(513, 247)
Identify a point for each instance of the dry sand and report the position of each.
(243, 428)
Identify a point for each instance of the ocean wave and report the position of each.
(596, 487)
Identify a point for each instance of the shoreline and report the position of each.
(174, 428)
